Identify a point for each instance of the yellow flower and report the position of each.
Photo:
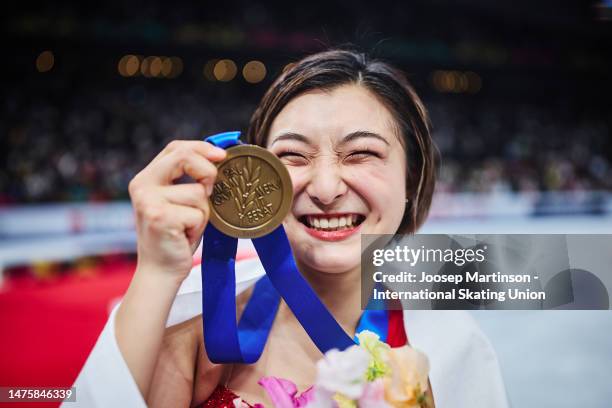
(379, 350)
(371, 342)
(343, 401)
(406, 385)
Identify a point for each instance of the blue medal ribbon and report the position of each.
(229, 342)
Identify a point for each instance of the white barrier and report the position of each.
(57, 232)
(59, 219)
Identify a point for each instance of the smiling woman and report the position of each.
(348, 161)
(355, 139)
(376, 102)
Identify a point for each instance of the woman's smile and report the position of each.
(332, 227)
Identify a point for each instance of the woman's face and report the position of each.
(348, 170)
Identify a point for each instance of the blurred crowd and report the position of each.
(86, 144)
(500, 146)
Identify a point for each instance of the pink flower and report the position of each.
(322, 398)
(283, 393)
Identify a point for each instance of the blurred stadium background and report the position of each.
(518, 94)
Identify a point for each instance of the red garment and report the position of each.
(396, 332)
(223, 397)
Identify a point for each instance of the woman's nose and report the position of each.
(326, 184)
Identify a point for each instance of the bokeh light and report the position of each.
(225, 70)
(155, 67)
(209, 68)
(176, 67)
(254, 72)
(45, 61)
(166, 67)
(129, 65)
(145, 66)
(456, 81)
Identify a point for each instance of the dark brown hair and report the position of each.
(330, 69)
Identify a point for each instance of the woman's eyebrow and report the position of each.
(291, 136)
(362, 133)
(346, 139)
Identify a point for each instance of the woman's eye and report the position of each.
(292, 157)
(362, 154)
(285, 154)
(289, 154)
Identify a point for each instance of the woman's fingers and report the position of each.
(171, 208)
(191, 194)
(192, 220)
(170, 218)
(181, 162)
(192, 158)
(177, 207)
(204, 149)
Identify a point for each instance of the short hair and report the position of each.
(333, 68)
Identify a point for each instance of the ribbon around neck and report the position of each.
(229, 342)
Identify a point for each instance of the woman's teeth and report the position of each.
(333, 223)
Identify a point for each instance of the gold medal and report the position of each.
(252, 193)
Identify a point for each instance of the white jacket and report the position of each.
(464, 369)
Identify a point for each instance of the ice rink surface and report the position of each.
(551, 358)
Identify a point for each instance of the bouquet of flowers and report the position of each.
(370, 375)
